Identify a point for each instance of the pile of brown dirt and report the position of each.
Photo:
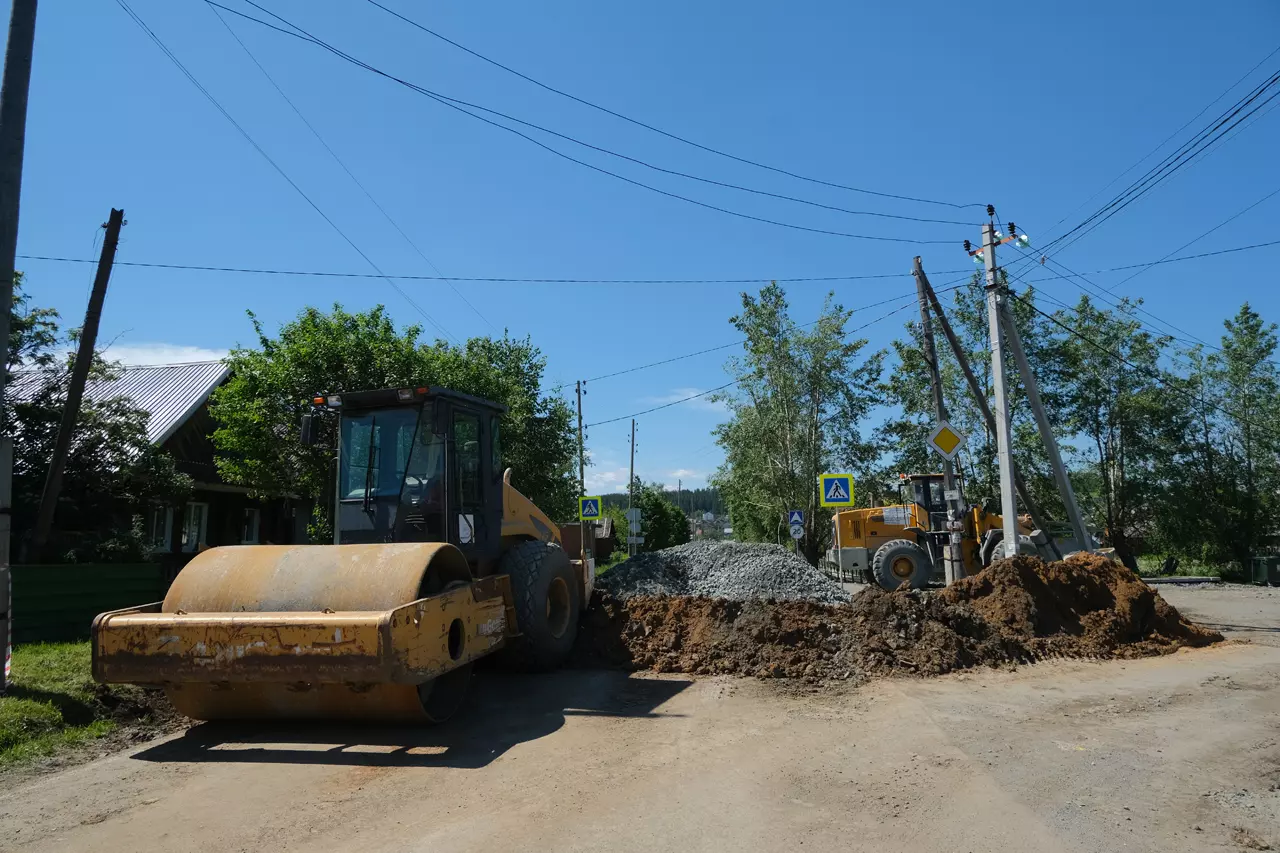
(1085, 606)
(1015, 611)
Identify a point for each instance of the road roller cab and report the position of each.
(437, 561)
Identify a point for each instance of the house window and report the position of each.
(160, 528)
(195, 527)
(249, 532)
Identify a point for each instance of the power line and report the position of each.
(1171, 164)
(658, 130)
(466, 107)
(1030, 257)
(1162, 380)
(911, 301)
(1168, 260)
(735, 343)
(345, 168)
(1166, 140)
(663, 406)
(209, 96)
(1221, 224)
(1109, 299)
(493, 279)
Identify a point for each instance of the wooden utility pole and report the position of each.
(582, 478)
(13, 135)
(75, 391)
(631, 479)
(953, 557)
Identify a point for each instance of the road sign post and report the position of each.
(795, 521)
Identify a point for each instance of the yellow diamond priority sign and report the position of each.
(946, 440)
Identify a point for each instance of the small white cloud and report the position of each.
(676, 395)
(601, 481)
(161, 353)
(686, 474)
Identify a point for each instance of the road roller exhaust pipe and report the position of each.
(368, 631)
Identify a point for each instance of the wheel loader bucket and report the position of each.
(309, 631)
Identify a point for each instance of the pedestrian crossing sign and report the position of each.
(837, 489)
(589, 508)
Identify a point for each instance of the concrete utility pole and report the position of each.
(75, 391)
(980, 397)
(953, 558)
(631, 480)
(995, 301)
(13, 135)
(582, 476)
(1046, 432)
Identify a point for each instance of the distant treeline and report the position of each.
(692, 501)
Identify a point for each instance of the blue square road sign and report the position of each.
(837, 489)
(589, 508)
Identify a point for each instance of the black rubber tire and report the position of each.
(892, 552)
(991, 548)
(534, 567)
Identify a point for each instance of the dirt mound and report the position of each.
(1086, 605)
(1017, 610)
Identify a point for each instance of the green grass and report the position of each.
(1152, 565)
(52, 703)
(619, 555)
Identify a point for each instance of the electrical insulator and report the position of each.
(1013, 230)
(968, 247)
(991, 210)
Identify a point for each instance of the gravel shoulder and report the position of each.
(1173, 753)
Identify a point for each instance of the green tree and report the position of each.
(1224, 499)
(800, 399)
(1119, 400)
(662, 523)
(259, 408)
(112, 471)
(1251, 426)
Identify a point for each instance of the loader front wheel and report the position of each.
(901, 562)
(548, 600)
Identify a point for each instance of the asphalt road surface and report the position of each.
(1168, 754)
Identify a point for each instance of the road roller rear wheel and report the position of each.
(548, 600)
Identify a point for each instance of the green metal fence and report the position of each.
(59, 602)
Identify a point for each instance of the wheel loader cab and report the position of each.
(928, 492)
(419, 465)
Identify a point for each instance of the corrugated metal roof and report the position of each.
(170, 393)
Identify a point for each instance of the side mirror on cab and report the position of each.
(310, 429)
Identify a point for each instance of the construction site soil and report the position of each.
(1016, 611)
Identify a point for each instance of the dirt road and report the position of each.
(1166, 754)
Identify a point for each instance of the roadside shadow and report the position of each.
(75, 712)
(502, 710)
(1221, 627)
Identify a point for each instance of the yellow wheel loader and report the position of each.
(904, 544)
(437, 561)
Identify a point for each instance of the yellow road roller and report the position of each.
(437, 561)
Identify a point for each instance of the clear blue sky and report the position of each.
(1033, 109)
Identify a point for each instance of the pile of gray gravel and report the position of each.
(738, 571)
